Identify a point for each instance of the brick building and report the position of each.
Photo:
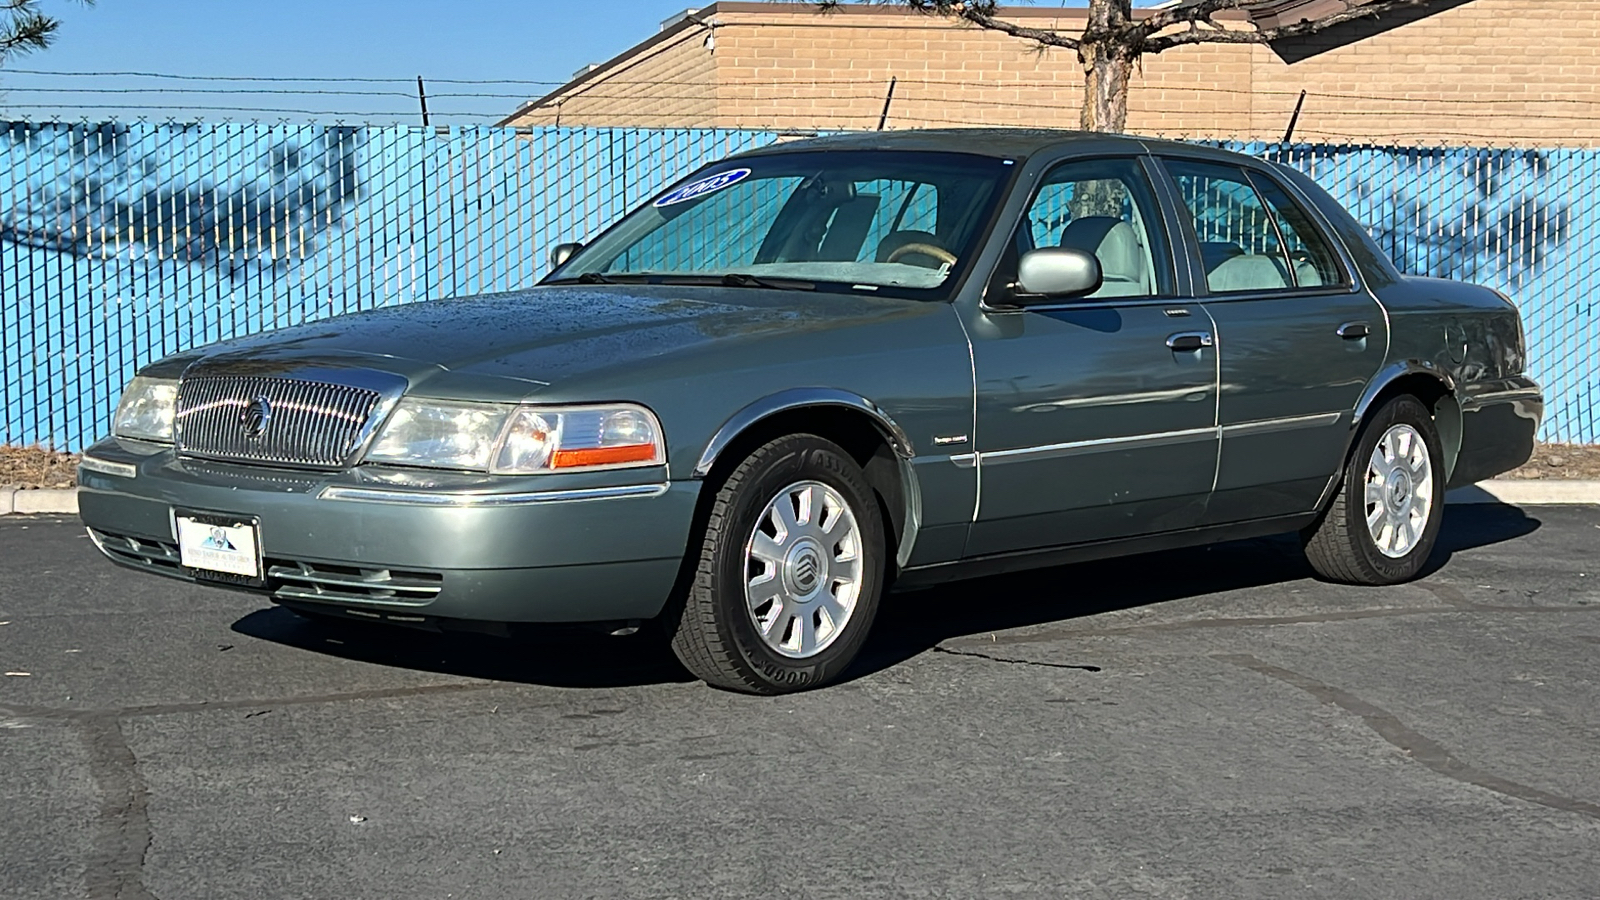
(1481, 72)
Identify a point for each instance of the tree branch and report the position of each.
(1043, 36)
(976, 12)
(1201, 11)
(27, 30)
(1196, 35)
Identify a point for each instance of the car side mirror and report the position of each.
(1055, 273)
(563, 252)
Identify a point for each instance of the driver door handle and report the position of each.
(1189, 341)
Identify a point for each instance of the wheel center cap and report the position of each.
(1399, 488)
(804, 568)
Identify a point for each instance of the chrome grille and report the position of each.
(312, 423)
(295, 580)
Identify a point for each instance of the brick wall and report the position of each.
(1499, 72)
(669, 81)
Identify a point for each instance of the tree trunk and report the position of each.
(1108, 54)
(1107, 72)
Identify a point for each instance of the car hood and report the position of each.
(548, 335)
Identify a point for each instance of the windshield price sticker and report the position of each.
(704, 186)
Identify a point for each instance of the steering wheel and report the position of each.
(933, 250)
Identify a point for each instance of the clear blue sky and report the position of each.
(533, 40)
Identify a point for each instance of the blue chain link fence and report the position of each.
(121, 243)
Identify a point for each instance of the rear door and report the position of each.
(1297, 338)
(1089, 425)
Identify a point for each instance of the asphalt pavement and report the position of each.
(1210, 723)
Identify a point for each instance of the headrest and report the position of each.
(1112, 241)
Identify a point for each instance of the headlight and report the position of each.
(519, 440)
(436, 433)
(146, 410)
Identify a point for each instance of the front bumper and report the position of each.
(409, 546)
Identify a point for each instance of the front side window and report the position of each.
(1104, 207)
(1252, 236)
(903, 222)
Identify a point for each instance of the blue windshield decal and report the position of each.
(704, 186)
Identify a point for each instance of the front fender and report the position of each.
(800, 398)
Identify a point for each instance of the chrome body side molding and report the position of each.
(1287, 423)
(1153, 439)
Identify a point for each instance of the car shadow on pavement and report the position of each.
(553, 656)
(914, 622)
(908, 624)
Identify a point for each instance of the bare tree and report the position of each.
(23, 28)
(1114, 38)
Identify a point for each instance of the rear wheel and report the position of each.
(789, 573)
(1385, 519)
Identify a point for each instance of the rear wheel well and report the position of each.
(854, 431)
(1435, 395)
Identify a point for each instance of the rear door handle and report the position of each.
(1189, 341)
(1354, 331)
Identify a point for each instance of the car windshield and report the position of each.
(901, 222)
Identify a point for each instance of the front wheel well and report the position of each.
(854, 431)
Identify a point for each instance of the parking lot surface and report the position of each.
(1194, 724)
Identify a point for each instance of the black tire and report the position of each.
(1340, 546)
(712, 629)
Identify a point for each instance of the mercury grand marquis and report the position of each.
(811, 372)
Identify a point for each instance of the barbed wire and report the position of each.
(910, 106)
(1068, 81)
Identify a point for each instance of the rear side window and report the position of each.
(1252, 236)
(1311, 258)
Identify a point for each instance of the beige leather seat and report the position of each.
(1121, 254)
(1249, 273)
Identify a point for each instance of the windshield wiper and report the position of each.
(732, 279)
(597, 278)
(744, 279)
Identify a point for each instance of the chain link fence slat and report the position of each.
(121, 243)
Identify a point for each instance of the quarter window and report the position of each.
(1314, 264)
(1252, 235)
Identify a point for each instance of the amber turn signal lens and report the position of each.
(603, 456)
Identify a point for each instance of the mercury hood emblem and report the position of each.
(255, 417)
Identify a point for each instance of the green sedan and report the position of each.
(813, 372)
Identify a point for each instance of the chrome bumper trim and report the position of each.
(106, 467)
(431, 498)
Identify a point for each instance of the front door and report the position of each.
(1096, 418)
(1298, 341)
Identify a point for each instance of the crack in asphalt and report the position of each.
(165, 709)
(1415, 745)
(1351, 615)
(122, 839)
(1448, 594)
(1016, 662)
(115, 868)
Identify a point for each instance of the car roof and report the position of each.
(996, 142)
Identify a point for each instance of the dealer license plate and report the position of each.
(219, 547)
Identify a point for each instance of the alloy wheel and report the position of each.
(1399, 491)
(803, 569)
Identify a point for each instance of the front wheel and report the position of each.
(789, 573)
(1385, 519)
